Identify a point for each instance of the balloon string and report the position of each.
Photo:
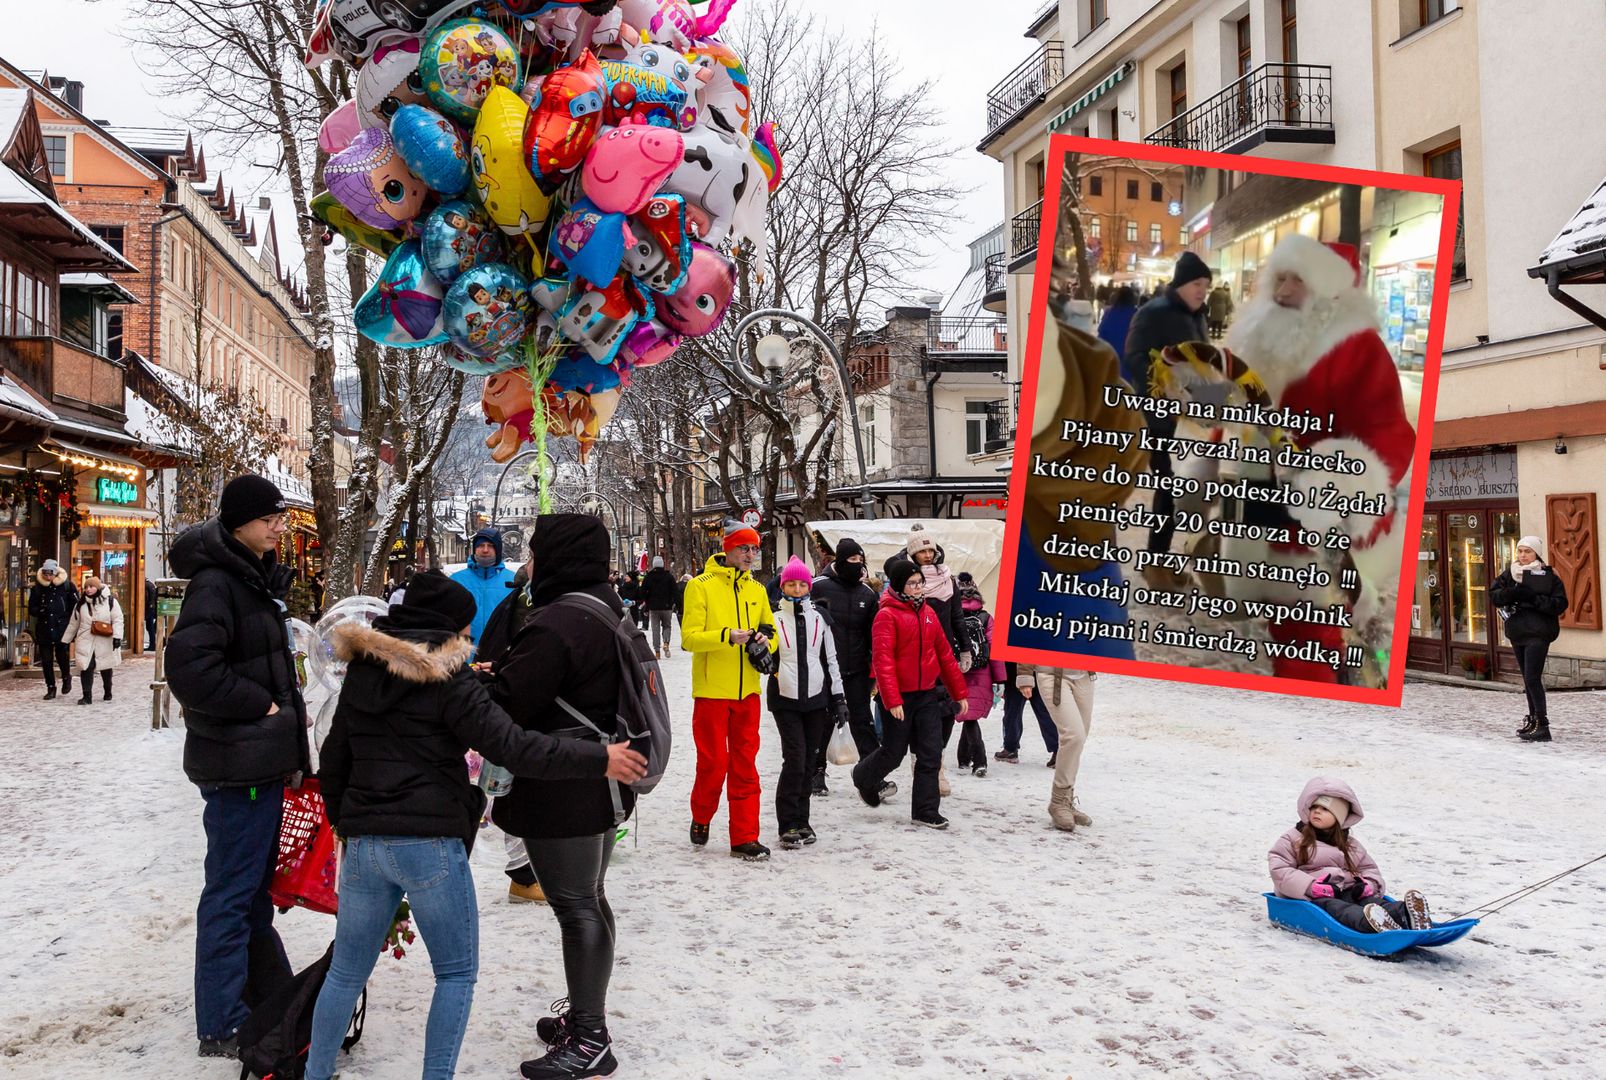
(540, 365)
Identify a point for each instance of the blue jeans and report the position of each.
(239, 958)
(1029, 568)
(375, 871)
(1014, 712)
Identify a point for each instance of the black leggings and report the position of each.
(572, 870)
(88, 677)
(972, 751)
(1531, 659)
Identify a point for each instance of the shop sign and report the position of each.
(1489, 475)
(115, 491)
(110, 560)
(169, 606)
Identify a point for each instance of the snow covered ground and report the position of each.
(1138, 947)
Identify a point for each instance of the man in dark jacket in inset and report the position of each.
(660, 597)
(229, 664)
(849, 605)
(1175, 315)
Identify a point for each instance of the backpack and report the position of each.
(643, 709)
(973, 638)
(275, 1038)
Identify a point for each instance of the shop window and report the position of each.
(1445, 164)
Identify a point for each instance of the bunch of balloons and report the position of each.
(555, 186)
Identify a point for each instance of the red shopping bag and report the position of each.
(306, 873)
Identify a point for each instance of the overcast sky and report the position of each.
(964, 46)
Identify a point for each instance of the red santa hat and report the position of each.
(1328, 270)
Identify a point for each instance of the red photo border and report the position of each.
(1058, 147)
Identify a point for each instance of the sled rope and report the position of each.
(1500, 903)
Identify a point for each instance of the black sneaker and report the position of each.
(791, 839)
(549, 1028)
(699, 834)
(935, 821)
(819, 787)
(979, 770)
(226, 1047)
(752, 851)
(1540, 732)
(577, 1054)
(887, 791)
(808, 835)
(1007, 755)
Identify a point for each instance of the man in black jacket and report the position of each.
(660, 596)
(849, 605)
(50, 604)
(1175, 315)
(230, 666)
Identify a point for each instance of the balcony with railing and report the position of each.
(65, 374)
(1023, 230)
(993, 296)
(1274, 103)
(1024, 87)
(967, 337)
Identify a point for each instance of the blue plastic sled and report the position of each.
(1304, 917)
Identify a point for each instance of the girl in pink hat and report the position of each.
(805, 694)
(1318, 860)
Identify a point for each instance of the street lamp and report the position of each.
(774, 351)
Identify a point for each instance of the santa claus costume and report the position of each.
(1327, 358)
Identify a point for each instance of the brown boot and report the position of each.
(525, 894)
(1081, 818)
(1060, 811)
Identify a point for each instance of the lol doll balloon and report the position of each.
(370, 179)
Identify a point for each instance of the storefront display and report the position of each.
(110, 540)
(1404, 293)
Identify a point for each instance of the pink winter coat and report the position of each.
(979, 680)
(1292, 878)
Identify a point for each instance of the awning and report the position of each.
(103, 460)
(1105, 86)
(98, 285)
(111, 516)
(41, 221)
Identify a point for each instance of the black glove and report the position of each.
(117, 643)
(759, 655)
(839, 709)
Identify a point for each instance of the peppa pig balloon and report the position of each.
(700, 303)
(625, 167)
(371, 180)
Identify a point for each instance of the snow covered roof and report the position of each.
(13, 105)
(1581, 244)
(14, 399)
(15, 191)
(151, 139)
(99, 283)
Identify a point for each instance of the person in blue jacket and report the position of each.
(1113, 327)
(486, 578)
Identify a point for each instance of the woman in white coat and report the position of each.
(95, 635)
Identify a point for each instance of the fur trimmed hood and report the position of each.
(409, 661)
(58, 578)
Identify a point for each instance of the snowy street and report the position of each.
(1137, 947)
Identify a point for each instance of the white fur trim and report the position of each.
(1324, 271)
(1373, 481)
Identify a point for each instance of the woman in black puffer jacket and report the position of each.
(566, 650)
(1532, 599)
(397, 790)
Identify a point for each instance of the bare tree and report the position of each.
(241, 62)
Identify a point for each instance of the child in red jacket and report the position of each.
(913, 665)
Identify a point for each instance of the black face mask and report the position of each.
(850, 572)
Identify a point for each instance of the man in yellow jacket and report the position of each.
(724, 610)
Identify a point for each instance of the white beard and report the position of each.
(1283, 344)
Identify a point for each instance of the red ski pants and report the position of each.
(726, 733)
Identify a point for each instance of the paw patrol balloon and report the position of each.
(487, 309)
(462, 61)
(456, 239)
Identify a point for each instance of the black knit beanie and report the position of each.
(246, 498)
(899, 573)
(1189, 268)
(432, 601)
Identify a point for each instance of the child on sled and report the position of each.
(1318, 860)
